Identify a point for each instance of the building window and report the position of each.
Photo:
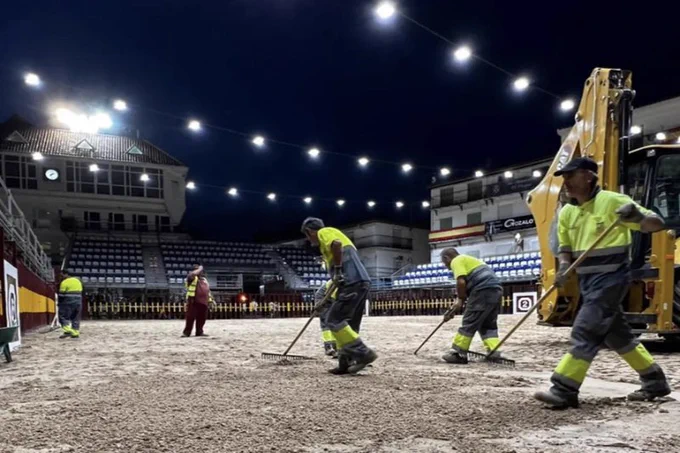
(446, 196)
(505, 211)
(19, 172)
(446, 223)
(116, 221)
(163, 223)
(92, 220)
(140, 222)
(113, 180)
(474, 218)
(475, 190)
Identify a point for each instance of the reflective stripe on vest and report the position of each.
(191, 288)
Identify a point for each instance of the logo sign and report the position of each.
(522, 302)
(511, 224)
(12, 301)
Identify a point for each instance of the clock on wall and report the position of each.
(52, 174)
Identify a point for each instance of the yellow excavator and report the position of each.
(650, 175)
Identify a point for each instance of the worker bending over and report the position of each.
(70, 305)
(604, 280)
(349, 275)
(329, 343)
(481, 290)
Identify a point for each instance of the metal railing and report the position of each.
(18, 230)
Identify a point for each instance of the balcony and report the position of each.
(497, 189)
(384, 241)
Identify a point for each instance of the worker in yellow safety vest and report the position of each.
(329, 343)
(604, 280)
(481, 291)
(70, 305)
(198, 300)
(353, 282)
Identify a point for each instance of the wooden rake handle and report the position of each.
(323, 301)
(552, 288)
(433, 332)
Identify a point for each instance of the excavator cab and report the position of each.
(650, 175)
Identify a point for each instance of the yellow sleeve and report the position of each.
(563, 232)
(458, 267)
(621, 200)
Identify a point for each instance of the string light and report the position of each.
(233, 191)
(479, 173)
(635, 130)
(537, 174)
(314, 153)
(191, 185)
(272, 196)
(37, 156)
(462, 54)
(385, 10)
(520, 84)
(406, 168)
(258, 141)
(144, 177)
(120, 105)
(399, 204)
(567, 105)
(444, 171)
(94, 168)
(307, 200)
(194, 125)
(32, 79)
(425, 204)
(363, 161)
(660, 136)
(371, 204)
(507, 174)
(678, 141)
(341, 202)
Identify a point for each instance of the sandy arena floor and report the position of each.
(137, 386)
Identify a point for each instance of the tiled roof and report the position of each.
(60, 142)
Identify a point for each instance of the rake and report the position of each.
(285, 357)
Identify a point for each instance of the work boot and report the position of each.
(202, 335)
(184, 335)
(343, 365)
(75, 334)
(65, 335)
(455, 357)
(362, 362)
(649, 395)
(557, 401)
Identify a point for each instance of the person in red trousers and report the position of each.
(198, 300)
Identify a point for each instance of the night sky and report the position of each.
(326, 73)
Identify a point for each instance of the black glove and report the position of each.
(630, 213)
(451, 312)
(338, 276)
(561, 276)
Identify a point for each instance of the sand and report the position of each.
(138, 386)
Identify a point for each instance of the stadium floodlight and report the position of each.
(462, 54)
(341, 202)
(120, 105)
(194, 125)
(144, 178)
(567, 105)
(635, 130)
(521, 83)
(507, 174)
(307, 200)
(406, 167)
(479, 174)
(678, 141)
(371, 203)
(444, 171)
(399, 204)
(102, 121)
(94, 168)
(536, 174)
(363, 161)
(258, 141)
(314, 153)
(191, 185)
(660, 136)
(31, 79)
(272, 196)
(233, 191)
(385, 10)
(37, 156)
(425, 204)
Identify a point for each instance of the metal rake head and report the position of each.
(494, 360)
(284, 357)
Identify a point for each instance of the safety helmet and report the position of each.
(311, 223)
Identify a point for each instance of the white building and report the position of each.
(69, 181)
(481, 216)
